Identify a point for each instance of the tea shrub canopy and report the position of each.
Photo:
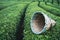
(12, 12)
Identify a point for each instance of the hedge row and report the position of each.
(56, 6)
(9, 18)
(52, 10)
(48, 35)
(4, 4)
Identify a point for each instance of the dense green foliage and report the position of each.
(56, 6)
(9, 18)
(53, 10)
(6, 4)
(28, 35)
(12, 10)
(10, 3)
